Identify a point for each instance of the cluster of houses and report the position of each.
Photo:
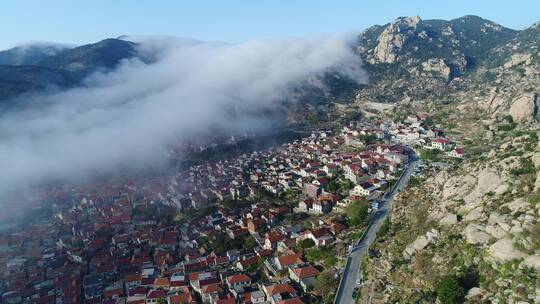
(413, 132)
(100, 246)
(308, 164)
(99, 250)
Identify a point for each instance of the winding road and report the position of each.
(344, 294)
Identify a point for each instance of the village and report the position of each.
(262, 227)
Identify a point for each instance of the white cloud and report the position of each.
(127, 117)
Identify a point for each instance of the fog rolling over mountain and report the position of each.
(127, 116)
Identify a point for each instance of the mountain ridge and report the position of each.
(66, 68)
(406, 58)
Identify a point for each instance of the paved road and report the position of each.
(352, 268)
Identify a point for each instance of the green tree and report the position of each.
(527, 167)
(384, 228)
(333, 186)
(430, 154)
(449, 291)
(250, 242)
(323, 256)
(257, 267)
(325, 284)
(368, 138)
(161, 301)
(347, 185)
(304, 244)
(357, 212)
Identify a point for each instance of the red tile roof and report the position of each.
(161, 282)
(280, 288)
(181, 298)
(238, 278)
(155, 294)
(286, 260)
(211, 288)
(306, 272)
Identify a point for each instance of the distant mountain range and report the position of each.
(407, 57)
(36, 68)
(411, 57)
(30, 54)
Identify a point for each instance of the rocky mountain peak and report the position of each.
(408, 21)
(392, 39)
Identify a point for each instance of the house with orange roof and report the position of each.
(245, 263)
(278, 292)
(287, 261)
(178, 282)
(210, 292)
(254, 297)
(321, 236)
(162, 283)
(272, 238)
(154, 296)
(229, 300)
(181, 298)
(256, 225)
(238, 282)
(132, 280)
(305, 276)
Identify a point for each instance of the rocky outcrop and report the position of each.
(524, 108)
(488, 181)
(518, 59)
(437, 66)
(392, 39)
(449, 219)
(496, 231)
(475, 214)
(495, 102)
(474, 234)
(518, 205)
(420, 243)
(503, 251)
(532, 261)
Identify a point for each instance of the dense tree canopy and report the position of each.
(357, 212)
(449, 290)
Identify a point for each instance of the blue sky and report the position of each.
(79, 22)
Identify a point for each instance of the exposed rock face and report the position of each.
(392, 39)
(496, 231)
(494, 102)
(524, 108)
(518, 205)
(517, 59)
(500, 221)
(449, 220)
(474, 214)
(488, 181)
(437, 66)
(420, 243)
(474, 234)
(455, 186)
(503, 250)
(532, 261)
